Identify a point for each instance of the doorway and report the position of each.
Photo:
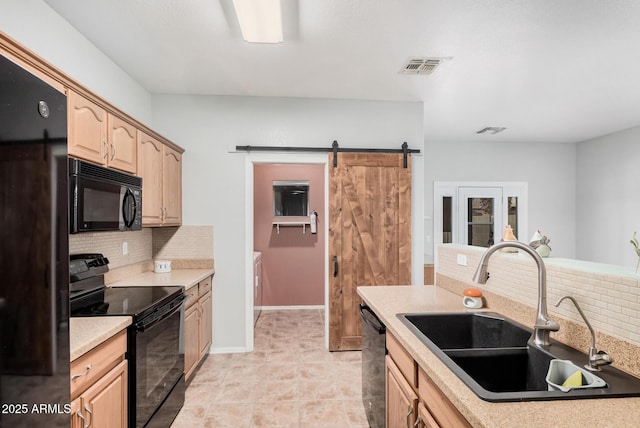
(284, 159)
(476, 213)
(286, 196)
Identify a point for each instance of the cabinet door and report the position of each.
(150, 169)
(191, 338)
(122, 145)
(87, 129)
(401, 400)
(105, 402)
(205, 323)
(172, 186)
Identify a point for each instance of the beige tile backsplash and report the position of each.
(609, 296)
(184, 242)
(110, 244)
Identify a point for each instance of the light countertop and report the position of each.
(184, 277)
(86, 333)
(387, 301)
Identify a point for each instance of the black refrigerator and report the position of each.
(34, 252)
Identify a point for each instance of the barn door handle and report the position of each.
(335, 266)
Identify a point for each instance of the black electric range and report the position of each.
(155, 357)
(136, 302)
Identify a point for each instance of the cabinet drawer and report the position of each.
(191, 296)
(403, 360)
(204, 286)
(86, 369)
(439, 406)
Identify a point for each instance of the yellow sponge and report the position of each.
(574, 380)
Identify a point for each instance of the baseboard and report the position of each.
(230, 350)
(286, 308)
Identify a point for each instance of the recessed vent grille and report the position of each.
(424, 66)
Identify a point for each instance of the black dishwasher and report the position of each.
(373, 362)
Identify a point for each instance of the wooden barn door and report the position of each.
(369, 235)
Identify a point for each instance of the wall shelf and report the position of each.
(279, 224)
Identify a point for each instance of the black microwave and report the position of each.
(103, 199)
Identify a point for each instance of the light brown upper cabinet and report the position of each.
(98, 136)
(123, 147)
(87, 129)
(160, 167)
(172, 186)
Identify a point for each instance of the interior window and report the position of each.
(290, 198)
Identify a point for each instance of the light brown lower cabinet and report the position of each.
(198, 327)
(412, 398)
(402, 402)
(206, 323)
(99, 386)
(191, 338)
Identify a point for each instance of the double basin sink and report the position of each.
(495, 357)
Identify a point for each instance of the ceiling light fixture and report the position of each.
(260, 20)
(491, 129)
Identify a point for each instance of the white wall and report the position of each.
(608, 198)
(39, 28)
(549, 169)
(213, 178)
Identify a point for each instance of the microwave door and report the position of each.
(97, 205)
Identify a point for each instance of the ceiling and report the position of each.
(555, 71)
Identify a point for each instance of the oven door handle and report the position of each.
(380, 328)
(144, 325)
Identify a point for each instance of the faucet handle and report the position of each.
(548, 324)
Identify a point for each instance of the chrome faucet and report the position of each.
(543, 326)
(596, 358)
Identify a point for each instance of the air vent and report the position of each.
(424, 66)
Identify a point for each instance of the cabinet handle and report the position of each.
(417, 424)
(84, 373)
(113, 151)
(106, 152)
(409, 413)
(335, 266)
(86, 407)
(81, 416)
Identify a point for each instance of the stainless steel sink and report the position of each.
(496, 358)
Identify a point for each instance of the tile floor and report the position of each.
(289, 380)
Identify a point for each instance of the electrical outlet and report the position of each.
(462, 259)
(125, 248)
